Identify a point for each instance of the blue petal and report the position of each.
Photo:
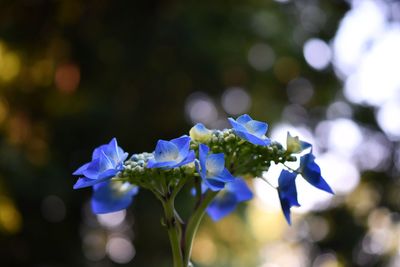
(323, 185)
(201, 128)
(113, 149)
(166, 151)
(108, 174)
(182, 143)
(189, 158)
(304, 145)
(287, 192)
(286, 179)
(97, 151)
(257, 128)
(114, 152)
(251, 130)
(222, 206)
(106, 198)
(240, 189)
(152, 163)
(224, 176)
(285, 209)
(243, 119)
(97, 166)
(312, 173)
(287, 186)
(105, 162)
(214, 185)
(81, 169)
(86, 182)
(92, 171)
(253, 139)
(217, 182)
(237, 126)
(215, 164)
(306, 160)
(203, 152)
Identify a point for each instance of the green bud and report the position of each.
(200, 133)
(189, 169)
(214, 139)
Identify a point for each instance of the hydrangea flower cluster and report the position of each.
(214, 163)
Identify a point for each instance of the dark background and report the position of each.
(77, 73)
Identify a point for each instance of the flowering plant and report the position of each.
(214, 163)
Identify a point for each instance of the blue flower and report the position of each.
(212, 169)
(172, 154)
(295, 145)
(287, 192)
(200, 133)
(251, 130)
(227, 200)
(112, 196)
(312, 173)
(107, 161)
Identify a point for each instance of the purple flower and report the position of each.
(172, 154)
(250, 130)
(107, 161)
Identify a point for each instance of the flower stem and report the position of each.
(193, 225)
(268, 182)
(174, 232)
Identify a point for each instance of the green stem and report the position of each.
(293, 170)
(268, 182)
(178, 187)
(174, 235)
(193, 225)
(238, 168)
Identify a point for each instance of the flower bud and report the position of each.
(200, 133)
(135, 157)
(189, 169)
(295, 145)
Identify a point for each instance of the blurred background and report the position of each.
(74, 74)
